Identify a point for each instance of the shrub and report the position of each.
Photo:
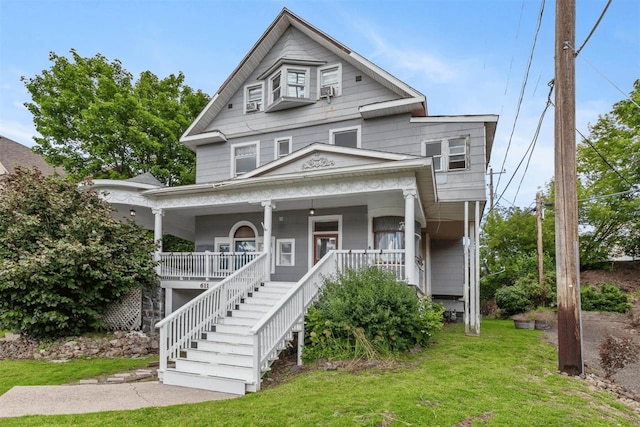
(63, 258)
(366, 312)
(608, 298)
(513, 300)
(616, 353)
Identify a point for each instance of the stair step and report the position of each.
(233, 329)
(247, 314)
(223, 337)
(219, 358)
(239, 320)
(254, 306)
(215, 370)
(204, 382)
(228, 348)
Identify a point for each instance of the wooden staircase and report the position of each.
(222, 357)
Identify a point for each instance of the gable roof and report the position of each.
(14, 154)
(411, 100)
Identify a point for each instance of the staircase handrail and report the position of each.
(206, 308)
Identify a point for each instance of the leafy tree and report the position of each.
(63, 258)
(509, 247)
(610, 214)
(96, 121)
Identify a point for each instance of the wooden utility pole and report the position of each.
(539, 229)
(566, 203)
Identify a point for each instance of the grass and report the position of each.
(42, 372)
(505, 377)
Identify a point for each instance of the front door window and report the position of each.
(323, 243)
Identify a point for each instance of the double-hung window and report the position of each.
(330, 81)
(244, 157)
(296, 83)
(254, 98)
(448, 154)
(346, 137)
(286, 249)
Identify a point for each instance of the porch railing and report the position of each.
(202, 265)
(273, 331)
(185, 324)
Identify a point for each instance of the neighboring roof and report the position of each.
(413, 101)
(146, 178)
(14, 154)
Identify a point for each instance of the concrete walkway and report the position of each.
(85, 398)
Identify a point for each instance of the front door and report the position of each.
(323, 243)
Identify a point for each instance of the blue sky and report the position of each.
(466, 56)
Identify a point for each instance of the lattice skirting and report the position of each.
(127, 314)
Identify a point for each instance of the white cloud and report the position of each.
(18, 131)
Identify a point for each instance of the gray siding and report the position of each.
(288, 225)
(447, 267)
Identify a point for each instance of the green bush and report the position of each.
(608, 298)
(366, 312)
(513, 299)
(63, 258)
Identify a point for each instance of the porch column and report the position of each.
(157, 234)
(409, 235)
(267, 224)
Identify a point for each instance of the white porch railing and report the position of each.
(185, 324)
(273, 331)
(202, 265)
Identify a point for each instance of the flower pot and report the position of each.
(543, 325)
(524, 324)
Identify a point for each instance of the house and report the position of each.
(14, 154)
(310, 159)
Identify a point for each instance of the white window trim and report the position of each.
(358, 128)
(444, 152)
(328, 67)
(246, 97)
(310, 238)
(283, 82)
(279, 252)
(233, 157)
(275, 146)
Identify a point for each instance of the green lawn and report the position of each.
(505, 377)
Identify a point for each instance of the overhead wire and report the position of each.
(604, 159)
(524, 85)
(577, 52)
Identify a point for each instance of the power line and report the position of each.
(603, 158)
(612, 83)
(594, 28)
(524, 85)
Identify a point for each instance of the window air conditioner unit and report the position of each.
(252, 106)
(327, 91)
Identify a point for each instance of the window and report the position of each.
(282, 147)
(346, 137)
(244, 158)
(448, 154)
(254, 99)
(330, 77)
(286, 249)
(295, 84)
(388, 232)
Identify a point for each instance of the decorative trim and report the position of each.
(317, 162)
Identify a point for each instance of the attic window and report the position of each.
(244, 158)
(254, 98)
(282, 147)
(330, 80)
(289, 82)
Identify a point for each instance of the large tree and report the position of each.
(609, 169)
(63, 258)
(96, 121)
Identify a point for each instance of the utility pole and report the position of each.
(491, 173)
(566, 206)
(539, 229)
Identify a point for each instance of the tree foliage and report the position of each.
(609, 169)
(96, 121)
(509, 247)
(63, 258)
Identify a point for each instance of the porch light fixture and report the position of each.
(312, 211)
(132, 212)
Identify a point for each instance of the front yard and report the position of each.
(505, 377)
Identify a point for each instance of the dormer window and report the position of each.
(254, 98)
(275, 87)
(294, 85)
